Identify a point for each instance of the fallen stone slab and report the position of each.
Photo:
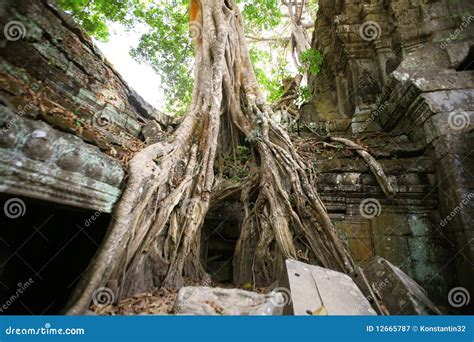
(194, 300)
(397, 293)
(314, 290)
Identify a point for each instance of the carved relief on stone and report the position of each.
(41, 162)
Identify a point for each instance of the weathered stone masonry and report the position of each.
(398, 76)
(67, 116)
(68, 124)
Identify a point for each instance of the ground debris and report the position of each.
(159, 302)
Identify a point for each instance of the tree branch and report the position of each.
(268, 39)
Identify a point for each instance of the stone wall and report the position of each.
(68, 125)
(398, 77)
(68, 119)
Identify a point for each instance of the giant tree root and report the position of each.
(154, 237)
(373, 165)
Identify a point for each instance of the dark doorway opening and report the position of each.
(44, 252)
(220, 234)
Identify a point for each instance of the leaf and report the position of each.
(321, 311)
(312, 59)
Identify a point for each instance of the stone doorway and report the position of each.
(220, 234)
(44, 249)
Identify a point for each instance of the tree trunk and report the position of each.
(154, 238)
(300, 41)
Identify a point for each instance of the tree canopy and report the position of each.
(166, 44)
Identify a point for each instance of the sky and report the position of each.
(140, 77)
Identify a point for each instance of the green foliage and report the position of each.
(168, 49)
(269, 72)
(312, 60)
(166, 46)
(305, 96)
(237, 169)
(313, 6)
(261, 14)
(93, 15)
(242, 151)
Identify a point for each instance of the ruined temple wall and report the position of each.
(398, 77)
(68, 125)
(69, 122)
(362, 43)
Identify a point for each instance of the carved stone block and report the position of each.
(314, 290)
(41, 162)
